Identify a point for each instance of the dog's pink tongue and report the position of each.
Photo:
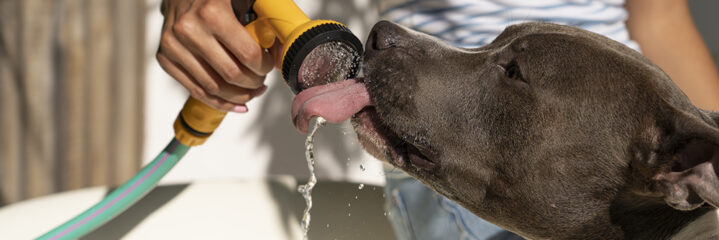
(335, 102)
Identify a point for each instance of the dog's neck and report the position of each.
(705, 227)
(651, 218)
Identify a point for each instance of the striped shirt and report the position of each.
(473, 23)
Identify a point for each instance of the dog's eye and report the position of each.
(512, 71)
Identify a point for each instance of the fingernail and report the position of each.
(240, 109)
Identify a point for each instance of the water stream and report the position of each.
(328, 62)
(306, 189)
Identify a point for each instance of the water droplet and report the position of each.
(385, 214)
(362, 167)
(355, 196)
(349, 214)
(349, 204)
(361, 186)
(328, 225)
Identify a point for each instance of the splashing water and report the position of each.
(328, 62)
(306, 189)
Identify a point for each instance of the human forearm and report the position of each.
(666, 34)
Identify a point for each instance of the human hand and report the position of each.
(206, 49)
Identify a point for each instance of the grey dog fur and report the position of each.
(590, 140)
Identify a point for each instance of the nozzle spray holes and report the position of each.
(328, 62)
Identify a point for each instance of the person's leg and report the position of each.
(417, 212)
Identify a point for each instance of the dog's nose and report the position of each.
(383, 36)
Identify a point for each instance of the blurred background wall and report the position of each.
(71, 94)
(83, 101)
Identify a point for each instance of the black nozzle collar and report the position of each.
(308, 41)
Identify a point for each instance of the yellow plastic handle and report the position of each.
(275, 19)
(280, 18)
(262, 32)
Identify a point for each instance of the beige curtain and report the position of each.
(71, 94)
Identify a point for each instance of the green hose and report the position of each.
(123, 197)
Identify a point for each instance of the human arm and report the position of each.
(667, 35)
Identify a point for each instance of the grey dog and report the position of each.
(551, 132)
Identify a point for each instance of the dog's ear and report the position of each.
(687, 158)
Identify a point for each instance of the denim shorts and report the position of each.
(417, 212)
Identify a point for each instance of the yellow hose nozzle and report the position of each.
(196, 122)
(267, 20)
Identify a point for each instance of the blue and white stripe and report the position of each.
(472, 23)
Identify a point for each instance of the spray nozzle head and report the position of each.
(329, 62)
(325, 53)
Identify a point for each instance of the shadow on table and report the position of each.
(340, 211)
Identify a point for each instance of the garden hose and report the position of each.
(122, 197)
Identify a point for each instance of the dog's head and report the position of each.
(549, 131)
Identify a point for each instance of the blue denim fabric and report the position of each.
(416, 212)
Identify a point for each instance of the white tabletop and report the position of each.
(247, 209)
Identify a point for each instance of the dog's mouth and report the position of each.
(342, 100)
(386, 144)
